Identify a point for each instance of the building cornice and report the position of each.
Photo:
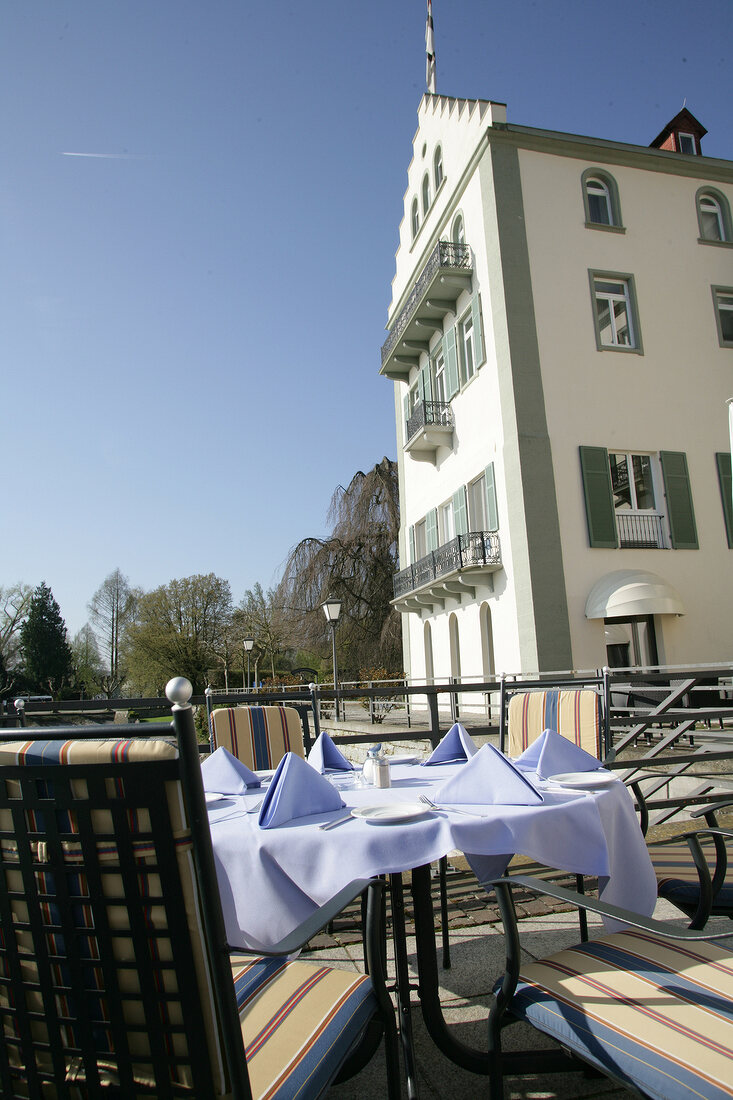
(612, 152)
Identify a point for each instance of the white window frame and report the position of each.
(629, 456)
(415, 218)
(710, 205)
(421, 539)
(425, 191)
(438, 373)
(458, 233)
(446, 523)
(466, 340)
(476, 504)
(657, 486)
(599, 189)
(437, 168)
(682, 137)
(713, 217)
(723, 299)
(625, 295)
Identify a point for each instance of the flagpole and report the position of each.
(430, 51)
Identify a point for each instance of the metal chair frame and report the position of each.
(62, 991)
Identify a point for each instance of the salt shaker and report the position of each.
(382, 777)
(369, 770)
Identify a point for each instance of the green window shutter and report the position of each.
(478, 341)
(679, 500)
(412, 545)
(406, 408)
(451, 362)
(492, 512)
(431, 530)
(425, 383)
(725, 478)
(460, 512)
(599, 510)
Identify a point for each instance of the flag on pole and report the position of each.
(430, 51)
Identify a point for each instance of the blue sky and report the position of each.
(191, 326)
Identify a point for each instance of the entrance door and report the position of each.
(631, 642)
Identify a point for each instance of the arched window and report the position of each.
(487, 642)
(438, 167)
(415, 218)
(458, 233)
(455, 647)
(428, 641)
(713, 216)
(425, 194)
(600, 199)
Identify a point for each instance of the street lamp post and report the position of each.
(332, 610)
(247, 644)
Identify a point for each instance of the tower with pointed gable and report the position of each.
(560, 341)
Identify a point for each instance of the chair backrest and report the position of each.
(258, 736)
(574, 713)
(106, 972)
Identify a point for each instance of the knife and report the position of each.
(336, 821)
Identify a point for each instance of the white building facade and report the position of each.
(560, 339)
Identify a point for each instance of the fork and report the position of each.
(448, 809)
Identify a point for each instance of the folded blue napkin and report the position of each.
(490, 779)
(552, 754)
(325, 754)
(456, 747)
(296, 790)
(223, 773)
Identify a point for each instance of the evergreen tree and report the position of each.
(45, 650)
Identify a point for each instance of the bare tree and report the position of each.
(15, 602)
(112, 609)
(356, 564)
(259, 615)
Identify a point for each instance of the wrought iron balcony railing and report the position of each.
(477, 548)
(429, 414)
(641, 530)
(446, 254)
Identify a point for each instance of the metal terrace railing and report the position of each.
(446, 254)
(464, 551)
(670, 728)
(641, 530)
(428, 414)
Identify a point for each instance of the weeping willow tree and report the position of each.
(356, 564)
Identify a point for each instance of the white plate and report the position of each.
(586, 781)
(211, 796)
(411, 759)
(394, 814)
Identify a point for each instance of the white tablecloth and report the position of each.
(272, 879)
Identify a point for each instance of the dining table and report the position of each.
(271, 879)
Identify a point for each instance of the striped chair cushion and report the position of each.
(576, 714)
(258, 736)
(655, 1014)
(677, 878)
(299, 1022)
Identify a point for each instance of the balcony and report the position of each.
(641, 530)
(446, 274)
(448, 572)
(429, 427)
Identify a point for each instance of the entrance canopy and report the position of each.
(630, 592)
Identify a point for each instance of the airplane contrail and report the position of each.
(105, 156)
